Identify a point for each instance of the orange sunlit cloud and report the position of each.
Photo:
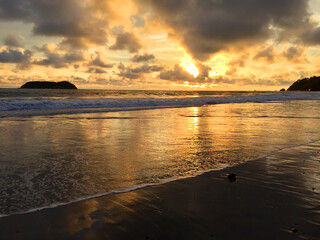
(145, 44)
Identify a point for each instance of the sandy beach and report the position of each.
(276, 197)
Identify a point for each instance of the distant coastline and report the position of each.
(48, 85)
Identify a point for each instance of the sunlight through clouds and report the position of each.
(209, 44)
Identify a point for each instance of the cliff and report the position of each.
(49, 85)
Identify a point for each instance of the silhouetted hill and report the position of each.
(49, 85)
(306, 84)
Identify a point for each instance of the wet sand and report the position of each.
(276, 197)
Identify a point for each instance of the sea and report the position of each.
(64, 146)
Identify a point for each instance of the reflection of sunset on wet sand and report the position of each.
(121, 150)
(196, 208)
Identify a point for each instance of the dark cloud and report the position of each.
(99, 62)
(142, 58)
(176, 74)
(12, 41)
(240, 61)
(293, 53)
(79, 80)
(311, 35)
(121, 66)
(237, 63)
(14, 56)
(22, 58)
(127, 41)
(225, 80)
(267, 54)
(96, 70)
(208, 26)
(79, 22)
(131, 75)
(56, 59)
(138, 71)
(204, 71)
(146, 69)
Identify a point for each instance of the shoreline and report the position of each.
(276, 196)
(148, 185)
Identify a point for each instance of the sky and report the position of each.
(165, 45)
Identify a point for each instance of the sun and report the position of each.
(188, 64)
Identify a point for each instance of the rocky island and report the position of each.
(49, 85)
(306, 84)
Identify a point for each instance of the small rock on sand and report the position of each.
(232, 177)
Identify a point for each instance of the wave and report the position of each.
(49, 106)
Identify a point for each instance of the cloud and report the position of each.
(138, 21)
(293, 53)
(15, 56)
(80, 23)
(204, 71)
(142, 58)
(240, 61)
(311, 35)
(209, 26)
(136, 72)
(12, 41)
(99, 62)
(96, 70)
(179, 75)
(79, 80)
(268, 54)
(56, 59)
(22, 58)
(127, 41)
(176, 74)
(121, 66)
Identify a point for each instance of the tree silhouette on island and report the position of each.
(306, 84)
(49, 85)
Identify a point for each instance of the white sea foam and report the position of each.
(44, 106)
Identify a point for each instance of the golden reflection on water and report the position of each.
(195, 119)
(136, 146)
(85, 154)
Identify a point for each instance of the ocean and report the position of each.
(62, 146)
